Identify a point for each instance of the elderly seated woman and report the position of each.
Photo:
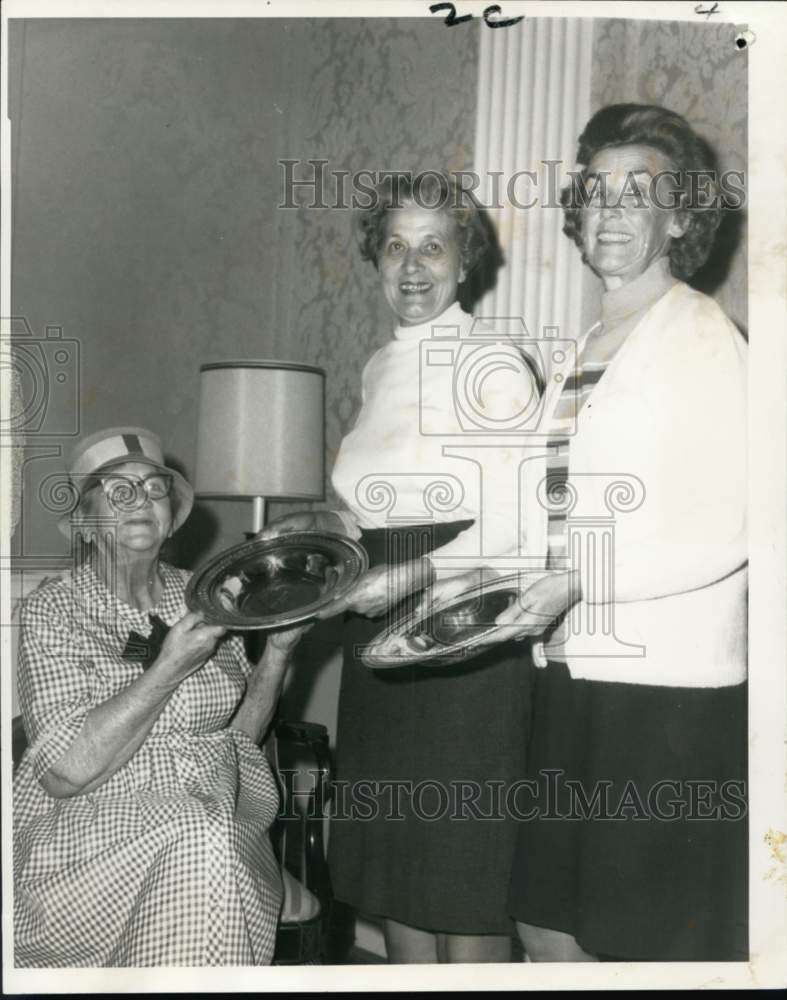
(142, 805)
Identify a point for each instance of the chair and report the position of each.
(303, 770)
(18, 740)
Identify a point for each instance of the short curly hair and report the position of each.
(690, 156)
(430, 189)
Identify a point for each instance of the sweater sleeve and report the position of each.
(687, 443)
(350, 523)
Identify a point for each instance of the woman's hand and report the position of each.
(374, 592)
(115, 729)
(306, 520)
(539, 605)
(265, 683)
(442, 591)
(286, 640)
(188, 645)
(382, 587)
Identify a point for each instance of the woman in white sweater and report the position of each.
(637, 845)
(429, 848)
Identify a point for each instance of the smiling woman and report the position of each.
(439, 880)
(424, 235)
(419, 264)
(663, 171)
(658, 399)
(624, 230)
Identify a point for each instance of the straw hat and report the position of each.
(116, 446)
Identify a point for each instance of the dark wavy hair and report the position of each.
(688, 153)
(430, 189)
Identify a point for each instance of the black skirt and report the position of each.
(422, 755)
(636, 841)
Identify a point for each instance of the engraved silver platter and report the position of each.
(277, 582)
(451, 631)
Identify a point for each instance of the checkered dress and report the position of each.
(168, 862)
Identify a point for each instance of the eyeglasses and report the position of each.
(131, 492)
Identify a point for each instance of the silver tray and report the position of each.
(453, 630)
(276, 582)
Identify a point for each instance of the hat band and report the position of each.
(132, 442)
(116, 449)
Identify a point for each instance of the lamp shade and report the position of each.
(261, 430)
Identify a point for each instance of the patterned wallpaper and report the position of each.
(380, 95)
(401, 94)
(156, 143)
(376, 94)
(696, 70)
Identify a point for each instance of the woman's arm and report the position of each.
(541, 604)
(685, 436)
(531, 614)
(337, 522)
(113, 731)
(262, 694)
(382, 587)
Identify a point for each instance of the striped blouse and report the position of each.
(621, 311)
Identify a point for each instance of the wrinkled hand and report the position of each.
(539, 605)
(306, 520)
(188, 645)
(380, 588)
(286, 640)
(442, 591)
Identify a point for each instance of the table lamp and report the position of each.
(261, 433)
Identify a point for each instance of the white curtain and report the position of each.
(533, 101)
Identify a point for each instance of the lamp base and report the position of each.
(258, 515)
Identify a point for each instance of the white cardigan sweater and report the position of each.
(670, 410)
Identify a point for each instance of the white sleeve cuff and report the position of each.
(349, 523)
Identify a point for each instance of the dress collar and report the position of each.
(638, 295)
(454, 315)
(97, 595)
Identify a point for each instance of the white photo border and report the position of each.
(768, 506)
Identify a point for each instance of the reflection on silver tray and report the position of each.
(451, 631)
(276, 582)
